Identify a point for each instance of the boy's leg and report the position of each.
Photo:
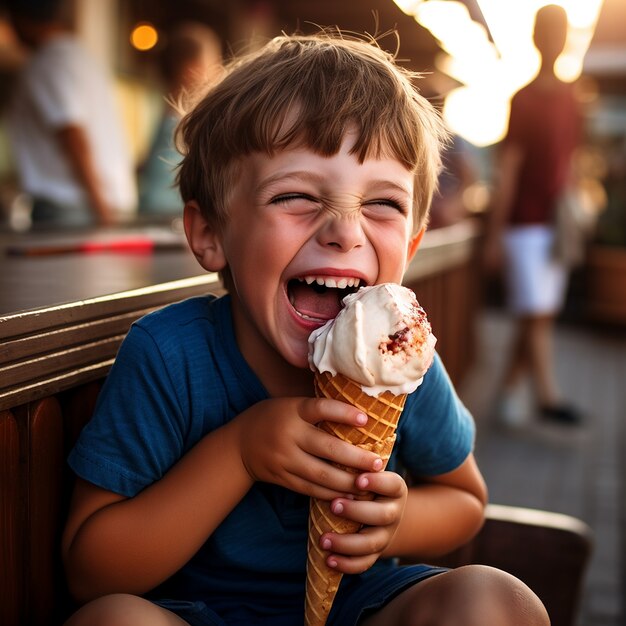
(473, 595)
(122, 609)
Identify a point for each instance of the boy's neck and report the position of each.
(280, 378)
(285, 381)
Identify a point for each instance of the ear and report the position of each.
(204, 240)
(414, 243)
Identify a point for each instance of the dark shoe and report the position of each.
(561, 413)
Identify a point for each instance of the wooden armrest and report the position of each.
(548, 551)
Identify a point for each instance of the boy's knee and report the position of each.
(121, 610)
(475, 595)
(512, 599)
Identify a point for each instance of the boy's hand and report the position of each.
(353, 553)
(281, 444)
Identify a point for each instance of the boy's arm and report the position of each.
(441, 513)
(112, 543)
(75, 145)
(117, 544)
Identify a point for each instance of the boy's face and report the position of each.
(297, 218)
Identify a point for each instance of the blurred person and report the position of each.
(65, 132)
(535, 167)
(189, 61)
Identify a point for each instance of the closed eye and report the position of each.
(388, 202)
(286, 198)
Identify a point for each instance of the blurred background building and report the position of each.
(475, 55)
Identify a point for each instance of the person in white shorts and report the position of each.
(534, 170)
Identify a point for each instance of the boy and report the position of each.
(313, 158)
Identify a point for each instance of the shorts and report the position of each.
(358, 597)
(536, 282)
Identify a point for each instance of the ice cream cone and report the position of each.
(380, 341)
(377, 435)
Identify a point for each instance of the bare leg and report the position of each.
(473, 595)
(540, 335)
(518, 365)
(532, 355)
(123, 610)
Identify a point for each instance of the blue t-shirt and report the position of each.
(179, 375)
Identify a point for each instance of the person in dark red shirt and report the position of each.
(534, 169)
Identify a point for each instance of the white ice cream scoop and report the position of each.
(381, 339)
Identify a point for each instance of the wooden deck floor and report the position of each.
(579, 471)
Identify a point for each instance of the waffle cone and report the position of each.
(378, 435)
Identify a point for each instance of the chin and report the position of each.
(299, 362)
(296, 358)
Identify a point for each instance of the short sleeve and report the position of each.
(436, 432)
(53, 88)
(138, 428)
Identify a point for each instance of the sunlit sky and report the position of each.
(492, 70)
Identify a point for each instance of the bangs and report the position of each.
(313, 96)
(309, 92)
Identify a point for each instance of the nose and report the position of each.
(343, 232)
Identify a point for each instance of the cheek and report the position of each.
(258, 264)
(391, 247)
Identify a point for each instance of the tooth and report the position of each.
(331, 283)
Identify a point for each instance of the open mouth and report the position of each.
(318, 298)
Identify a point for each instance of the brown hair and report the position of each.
(308, 90)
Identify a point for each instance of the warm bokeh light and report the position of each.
(493, 65)
(408, 6)
(144, 37)
(482, 108)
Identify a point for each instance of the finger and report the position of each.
(326, 475)
(367, 542)
(380, 512)
(308, 467)
(386, 484)
(310, 488)
(315, 410)
(331, 448)
(351, 565)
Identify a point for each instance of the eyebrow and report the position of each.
(297, 175)
(308, 176)
(393, 184)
